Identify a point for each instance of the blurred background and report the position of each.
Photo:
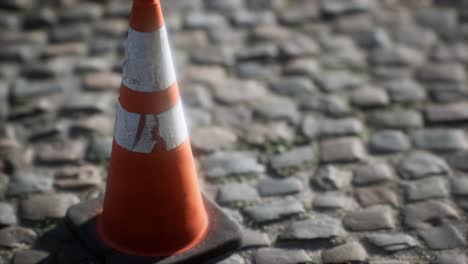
(331, 130)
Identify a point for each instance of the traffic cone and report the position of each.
(153, 205)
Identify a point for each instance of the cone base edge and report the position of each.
(223, 236)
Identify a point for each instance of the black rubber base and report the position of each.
(223, 237)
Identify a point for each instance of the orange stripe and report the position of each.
(161, 192)
(146, 15)
(152, 103)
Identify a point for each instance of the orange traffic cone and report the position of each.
(153, 205)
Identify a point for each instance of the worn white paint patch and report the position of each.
(126, 130)
(172, 127)
(148, 65)
(146, 142)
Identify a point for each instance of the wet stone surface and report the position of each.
(372, 173)
(15, 237)
(392, 242)
(331, 178)
(351, 251)
(371, 218)
(275, 187)
(43, 206)
(439, 140)
(30, 256)
(342, 150)
(422, 164)
(294, 158)
(7, 215)
(388, 141)
(316, 228)
(230, 163)
(370, 196)
(420, 215)
(333, 131)
(236, 192)
(280, 256)
(274, 210)
(333, 201)
(432, 187)
(236, 259)
(445, 236)
(26, 182)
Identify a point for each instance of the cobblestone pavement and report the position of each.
(333, 131)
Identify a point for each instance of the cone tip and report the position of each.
(146, 2)
(146, 15)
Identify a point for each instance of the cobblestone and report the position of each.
(43, 206)
(238, 92)
(370, 196)
(439, 140)
(447, 92)
(252, 239)
(15, 236)
(446, 258)
(236, 192)
(29, 256)
(397, 55)
(441, 72)
(418, 214)
(371, 173)
(443, 237)
(432, 187)
(371, 218)
(99, 149)
(447, 113)
(334, 201)
(460, 186)
(422, 164)
(26, 182)
(7, 215)
(272, 255)
(351, 251)
(457, 160)
(332, 105)
(342, 150)
(78, 177)
(318, 227)
(293, 86)
(227, 163)
(294, 158)
(389, 141)
(398, 119)
(275, 187)
(332, 178)
(393, 242)
(274, 210)
(369, 97)
(235, 259)
(443, 21)
(209, 139)
(338, 80)
(277, 108)
(331, 127)
(405, 91)
(23, 90)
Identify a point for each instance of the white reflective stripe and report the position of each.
(126, 130)
(172, 127)
(148, 65)
(132, 136)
